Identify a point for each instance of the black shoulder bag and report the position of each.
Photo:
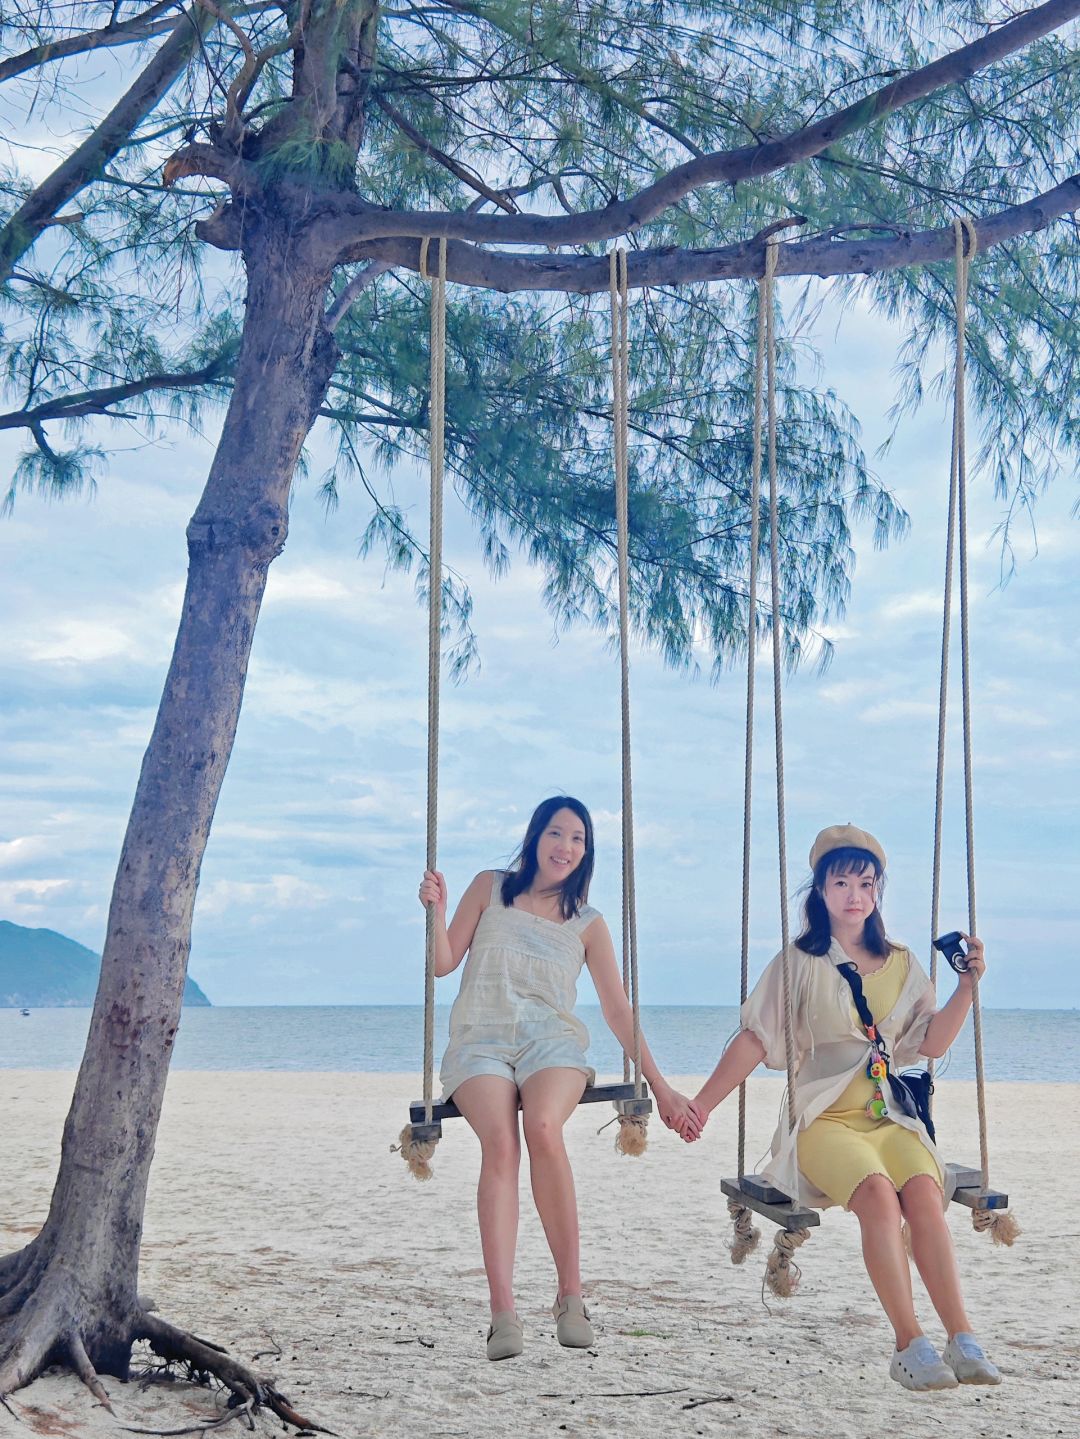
(911, 1090)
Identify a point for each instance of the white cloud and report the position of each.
(29, 894)
(891, 710)
(843, 692)
(920, 604)
(78, 641)
(305, 586)
(23, 849)
(277, 892)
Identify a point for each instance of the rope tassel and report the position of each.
(1002, 1226)
(782, 1274)
(633, 1134)
(745, 1238)
(417, 1147)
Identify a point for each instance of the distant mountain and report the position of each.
(40, 969)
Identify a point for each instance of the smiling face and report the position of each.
(560, 849)
(850, 898)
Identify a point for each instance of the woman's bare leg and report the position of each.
(877, 1207)
(490, 1106)
(933, 1252)
(547, 1101)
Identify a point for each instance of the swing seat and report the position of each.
(969, 1191)
(768, 1201)
(623, 1096)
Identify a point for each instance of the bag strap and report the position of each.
(854, 979)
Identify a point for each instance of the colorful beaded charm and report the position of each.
(876, 1071)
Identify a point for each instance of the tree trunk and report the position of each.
(71, 1294)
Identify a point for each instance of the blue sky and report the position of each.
(308, 887)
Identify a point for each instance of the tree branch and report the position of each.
(104, 144)
(671, 265)
(356, 286)
(126, 32)
(463, 173)
(360, 220)
(99, 401)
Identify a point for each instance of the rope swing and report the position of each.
(989, 1212)
(417, 1141)
(750, 1194)
(633, 1114)
(746, 1238)
(782, 1274)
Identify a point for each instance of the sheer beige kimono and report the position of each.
(831, 1048)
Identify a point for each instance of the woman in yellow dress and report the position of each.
(852, 1144)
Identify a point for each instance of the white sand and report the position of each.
(278, 1217)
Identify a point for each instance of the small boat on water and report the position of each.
(24, 1011)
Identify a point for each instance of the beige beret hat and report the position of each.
(845, 836)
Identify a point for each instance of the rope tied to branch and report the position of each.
(745, 1238)
(417, 1152)
(632, 1137)
(1000, 1224)
(768, 302)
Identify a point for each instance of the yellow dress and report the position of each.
(844, 1144)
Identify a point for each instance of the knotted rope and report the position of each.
(745, 1238)
(782, 1275)
(417, 1153)
(1000, 1223)
(777, 637)
(632, 1136)
(1002, 1226)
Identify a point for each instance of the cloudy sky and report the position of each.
(308, 888)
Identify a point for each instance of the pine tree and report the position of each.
(314, 145)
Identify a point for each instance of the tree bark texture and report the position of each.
(76, 1282)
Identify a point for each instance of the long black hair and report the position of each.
(574, 890)
(817, 931)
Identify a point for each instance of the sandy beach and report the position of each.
(280, 1225)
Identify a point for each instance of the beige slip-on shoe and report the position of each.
(505, 1337)
(572, 1322)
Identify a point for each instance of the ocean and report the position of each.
(1018, 1044)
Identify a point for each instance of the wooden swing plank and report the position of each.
(777, 1207)
(968, 1189)
(595, 1094)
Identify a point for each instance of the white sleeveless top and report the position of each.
(520, 978)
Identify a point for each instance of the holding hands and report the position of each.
(679, 1113)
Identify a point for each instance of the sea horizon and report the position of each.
(1018, 1044)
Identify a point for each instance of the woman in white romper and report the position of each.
(514, 1039)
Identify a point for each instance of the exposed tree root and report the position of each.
(51, 1326)
(80, 1362)
(209, 1361)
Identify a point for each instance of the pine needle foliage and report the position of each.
(117, 314)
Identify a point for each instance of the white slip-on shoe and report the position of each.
(964, 1356)
(920, 1367)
